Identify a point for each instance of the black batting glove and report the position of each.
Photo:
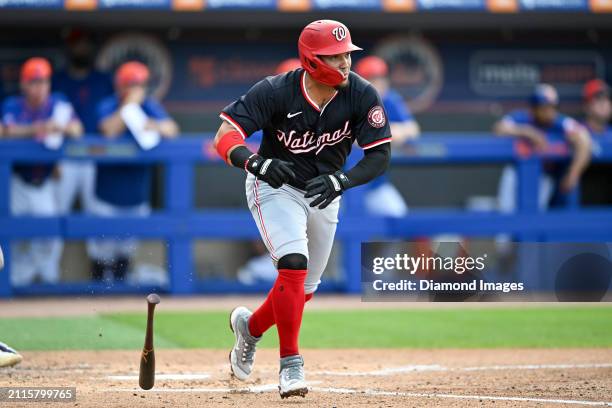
(327, 187)
(275, 172)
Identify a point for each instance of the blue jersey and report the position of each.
(557, 131)
(15, 111)
(125, 184)
(596, 137)
(85, 94)
(397, 111)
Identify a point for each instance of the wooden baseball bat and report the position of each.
(147, 358)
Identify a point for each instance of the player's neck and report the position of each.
(596, 125)
(35, 103)
(319, 92)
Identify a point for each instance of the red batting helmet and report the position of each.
(290, 64)
(595, 88)
(132, 73)
(372, 67)
(324, 37)
(34, 69)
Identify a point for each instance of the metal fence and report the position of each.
(178, 223)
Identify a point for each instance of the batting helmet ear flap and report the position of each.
(311, 64)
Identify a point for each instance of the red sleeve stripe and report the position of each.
(235, 124)
(376, 143)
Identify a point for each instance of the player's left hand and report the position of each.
(327, 187)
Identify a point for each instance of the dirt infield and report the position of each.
(339, 378)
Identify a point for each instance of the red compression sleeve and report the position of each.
(227, 142)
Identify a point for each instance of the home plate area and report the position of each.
(340, 378)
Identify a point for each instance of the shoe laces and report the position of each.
(294, 372)
(248, 351)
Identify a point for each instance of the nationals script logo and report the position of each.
(308, 141)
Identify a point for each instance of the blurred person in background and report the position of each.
(124, 189)
(597, 109)
(596, 188)
(540, 125)
(33, 116)
(85, 87)
(382, 197)
(260, 267)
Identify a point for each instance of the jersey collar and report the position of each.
(309, 99)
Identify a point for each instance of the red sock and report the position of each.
(288, 304)
(263, 318)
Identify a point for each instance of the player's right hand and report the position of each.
(275, 172)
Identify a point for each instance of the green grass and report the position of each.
(464, 328)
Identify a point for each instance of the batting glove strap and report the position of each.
(343, 179)
(253, 164)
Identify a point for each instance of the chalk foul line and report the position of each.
(369, 392)
(422, 368)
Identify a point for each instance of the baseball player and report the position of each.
(8, 356)
(85, 87)
(539, 125)
(124, 189)
(310, 118)
(598, 109)
(382, 198)
(33, 115)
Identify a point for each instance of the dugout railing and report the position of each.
(178, 223)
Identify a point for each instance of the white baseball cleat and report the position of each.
(242, 355)
(8, 356)
(292, 381)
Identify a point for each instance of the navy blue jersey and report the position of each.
(316, 139)
(85, 94)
